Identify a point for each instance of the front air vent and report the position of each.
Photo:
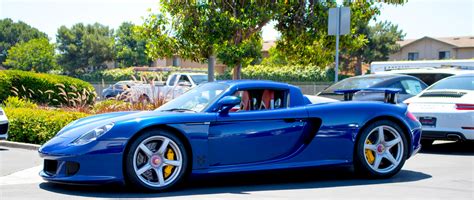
(443, 94)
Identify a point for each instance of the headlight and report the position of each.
(92, 135)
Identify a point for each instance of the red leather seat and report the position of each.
(245, 103)
(268, 97)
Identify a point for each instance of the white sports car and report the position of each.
(446, 109)
(3, 125)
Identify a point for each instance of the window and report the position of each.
(198, 79)
(412, 87)
(430, 78)
(172, 80)
(184, 81)
(398, 85)
(260, 99)
(413, 56)
(196, 99)
(455, 83)
(444, 55)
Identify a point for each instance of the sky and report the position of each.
(417, 18)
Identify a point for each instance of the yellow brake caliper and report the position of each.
(369, 154)
(168, 169)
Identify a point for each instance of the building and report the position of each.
(266, 47)
(428, 48)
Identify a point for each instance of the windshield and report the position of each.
(196, 99)
(198, 79)
(355, 83)
(455, 83)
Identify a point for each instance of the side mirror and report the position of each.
(226, 103)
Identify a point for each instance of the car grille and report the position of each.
(67, 168)
(50, 167)
(443, 94)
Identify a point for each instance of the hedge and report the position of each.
(287, 73)
(122, 74)
(37, 125)
(34, 86)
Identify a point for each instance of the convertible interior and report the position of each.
(260, 99)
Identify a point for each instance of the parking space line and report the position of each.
(26, 176)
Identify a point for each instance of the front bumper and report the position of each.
(98, 162)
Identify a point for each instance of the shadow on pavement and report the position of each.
(243, 183)
(450, 148)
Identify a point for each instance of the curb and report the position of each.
(20, 145)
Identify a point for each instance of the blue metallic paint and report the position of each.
(303, 135)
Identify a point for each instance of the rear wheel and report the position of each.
(156, 161)
(381, 150)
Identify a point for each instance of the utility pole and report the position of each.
(338, 24)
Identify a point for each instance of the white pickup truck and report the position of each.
(175, 85)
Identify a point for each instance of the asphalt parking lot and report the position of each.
(443, 171)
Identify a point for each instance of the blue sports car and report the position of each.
(229, 127)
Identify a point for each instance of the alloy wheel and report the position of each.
(157, 161)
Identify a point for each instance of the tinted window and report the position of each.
(355, 83)
(429, 79)
(456, 83)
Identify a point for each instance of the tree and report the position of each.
(382, 41)
(201, 30)
(84, 46)
(129, 48)
(245, 20)
(35, 55)
(303, 27)
(304, 37)
(12, 33)
(275, 58)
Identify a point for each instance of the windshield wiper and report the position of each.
(179, 110)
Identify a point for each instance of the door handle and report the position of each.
(290, 120)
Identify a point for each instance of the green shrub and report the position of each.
(36, 125)
(121, 74)
(16, 102)
(44, 88)
(286, 73)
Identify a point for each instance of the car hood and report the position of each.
(81, 126)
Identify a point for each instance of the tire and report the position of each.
(146, 158)
(426, 143)
(380, 159)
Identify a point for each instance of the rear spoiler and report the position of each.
(390, 93)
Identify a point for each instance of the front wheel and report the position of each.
(381, 150)
(156, 161)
